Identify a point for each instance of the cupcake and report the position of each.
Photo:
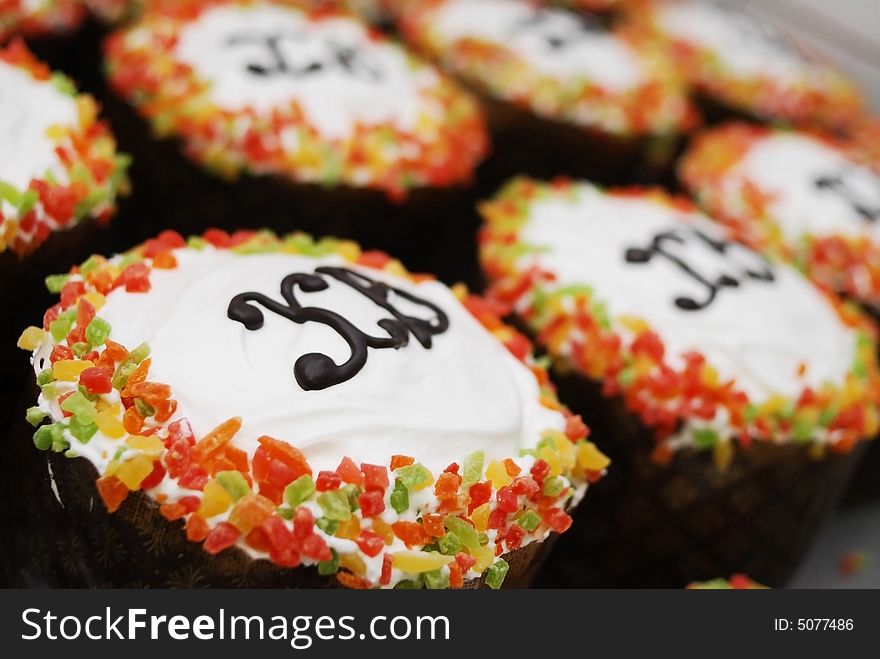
(48, 25)
(566, 93)
(730, 392)
(741, 66)
(300, 413)
(60, 175)
(296, 117)
(804, 197)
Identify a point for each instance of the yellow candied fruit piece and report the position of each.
(589, 457)
(722, 455)
(110, 423)
(485, 557)
(56, 132)
(709, 376)
(496, 473)
(349, 530)
(151, 446)
(773, 405)
(480, 517)
(566, 451)
(349, 250)
(420, 561)
(634, 324)
(395, 268)
(354, 564)
(549, 456)
(96, 299)
(31, 338)
(460, 291)
(384, 530)
(216, 499)
(133, 472)
(86, 109)
(68, 370)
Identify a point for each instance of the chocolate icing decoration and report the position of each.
(347, 58)
(660, 248)
(838, 183)
(315, 371)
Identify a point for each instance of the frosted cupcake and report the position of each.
(301, 117)
(566, 93)
(739, 64)
(301, 410)
(731, 392)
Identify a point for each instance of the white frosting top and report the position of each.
(757, 334)
(556, 43)
(814, 189)
(264, 56)
(465, 393)
(28, 109)
(745, 45)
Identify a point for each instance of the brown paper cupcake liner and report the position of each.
(664, 526)
(61, 536)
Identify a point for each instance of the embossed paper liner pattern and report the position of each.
(339, 132)
(710, 478)
(386, 520)
(566, 93)
(739, 66)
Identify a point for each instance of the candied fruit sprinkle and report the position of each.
(274, 502)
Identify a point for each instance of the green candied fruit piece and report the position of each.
(123, 372)
(98, 331)
(409, 584)
(436, 579)
(335, 505)
(80, 407)
(60, 327)
(827, 415)
(326, 568)
(197, 243)
(399, 496)
(328, 526)
(413, 475)
(54, 283)
(10, 193)
(352, 492)
(529, 520)
(803, 430)
(51, 437)
(449, 544)
(705, 438)
(234, 484)
(80, 349)
(82, 431)
(553, 487)
(90, 265)
(28, 201)
(45, 377)
(139, 354)
(483, 538)
(35, 416)
(466, 534)
(49, 390)
(299, 490)
(286, 513)
(495, 574)
(63, 84)
(473, 468)
(144, 408)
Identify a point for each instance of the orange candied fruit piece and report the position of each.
(113, 492)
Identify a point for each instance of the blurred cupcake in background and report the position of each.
(115, 11)
(739, 65)
(295, 117)
(48, 26)
(566, 92)
(731, 394)
(60, 175)
(736, 582)
(308, 414)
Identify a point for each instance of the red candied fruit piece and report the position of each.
(58, 201)
(257, 539)
(525, 486)
(115, 351)
(575, 428)
(375, 477)
(433, 524)
(452, 468)
(71, 292)
(480, 493)
(372, 503)
(315, 547)
(456, 577)
(217, 237)
(497, 519)
(112, 491)
(194, 478)
(370, 542)
(412, 533)
(221, 537)
(374, 259)
(278, 463)
(649, 344)
(514, 536)
(154, 477)
(60, 353)
(191, 503)
(465, 561)
(447, 485)
(507, 500)
(178, 457)
(61, 400)
(165, 241)
(327, 480)
(540, 470)
(557, 519)
(172, 511)
(387, 564)
(180, 430)
(97, 380)
(349, 472)
(398, 461)
(51, 315)
(197, 528)
(303, 523)
(135, 278)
